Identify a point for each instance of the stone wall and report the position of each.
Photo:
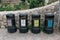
(52, 8)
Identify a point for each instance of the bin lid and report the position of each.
(35, 15)
(49, 15)
(10, 15)
(22, 14)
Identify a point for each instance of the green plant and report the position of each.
(23, 0)
(21, 6)
(17, 7)
(1, 8)
(7, 7)
(36, 3)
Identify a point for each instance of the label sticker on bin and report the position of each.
(36, 23)
(9, 21)
(50, 23)
(23, 22)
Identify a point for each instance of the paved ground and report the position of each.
(4, 35)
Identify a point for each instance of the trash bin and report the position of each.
(49, 22)
(11, 23)
(35, 23)
(23, 23)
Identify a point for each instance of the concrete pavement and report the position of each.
(4, 35)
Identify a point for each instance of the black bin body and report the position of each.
(49, 22)
(23, 23)
(35, 24)
(11, 23)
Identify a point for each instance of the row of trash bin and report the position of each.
(35, 27)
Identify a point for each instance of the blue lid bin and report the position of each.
(49, 22)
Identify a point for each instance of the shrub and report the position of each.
(36, 3)
(23, 0)
(7, 7)
(17, 7)
(21, 6)
(1, 8)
